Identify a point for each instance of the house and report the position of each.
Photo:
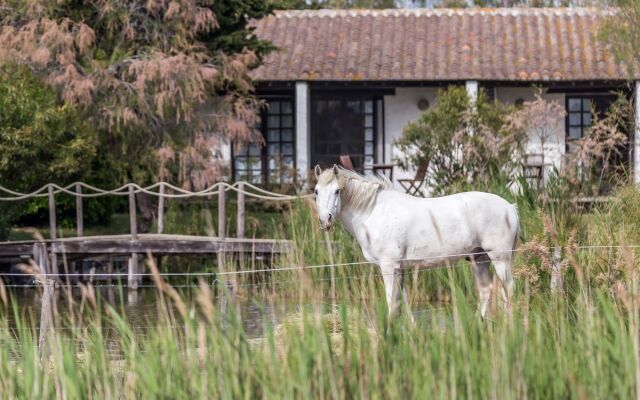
(348, 81)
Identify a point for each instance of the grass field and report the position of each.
(582, 342)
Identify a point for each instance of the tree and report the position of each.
(147, 74)
(347, 4)
(462, 143)
(42, 141)
(622, 33)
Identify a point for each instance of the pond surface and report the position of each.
(141, 308)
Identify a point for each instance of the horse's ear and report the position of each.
(317, 170)
(335, 170)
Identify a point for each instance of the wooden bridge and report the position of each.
(47, 253)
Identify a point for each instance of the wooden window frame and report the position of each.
(344, 144)
(266, 172)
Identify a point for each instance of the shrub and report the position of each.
(41, 142)
(461, 143)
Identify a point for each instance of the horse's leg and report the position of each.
(481, 264)
(502, 265)
(391, 276)
(405, 297)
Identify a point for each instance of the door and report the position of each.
(343, 126)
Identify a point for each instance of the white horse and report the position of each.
(396, 230)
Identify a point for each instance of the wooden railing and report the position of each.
(162, 190)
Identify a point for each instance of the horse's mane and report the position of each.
(357, 191)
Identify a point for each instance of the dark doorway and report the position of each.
(343, 126)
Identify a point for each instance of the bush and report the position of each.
(41, 142)
(460, 143)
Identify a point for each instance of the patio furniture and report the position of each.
(383, 169)
(534, 169)
(413, 186)
(345, 160)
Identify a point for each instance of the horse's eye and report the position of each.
(337, 191)
(315, 191)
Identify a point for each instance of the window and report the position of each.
(579, 116)
(248, 164)
(580, 110)
(272, 163)
(343, 126)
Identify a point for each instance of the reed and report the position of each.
(579, 343)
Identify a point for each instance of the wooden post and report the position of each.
(240, 210)
(556, 270)
(161, 209)
(79, 211)
(109, 271)
(227, 295)
(133, 277)
(35, 255)
(40, 257)
(46, 317)
(222, 230)
(53, 229)
(43, 261)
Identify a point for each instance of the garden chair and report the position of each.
(345, 160)
(383, 169)
(413, 186)
(534, 169)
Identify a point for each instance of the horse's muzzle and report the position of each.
(325, 226)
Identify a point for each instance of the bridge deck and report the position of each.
(157, 244)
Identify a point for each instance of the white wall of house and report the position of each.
(402, 108)
(553, 146)
(399, 110)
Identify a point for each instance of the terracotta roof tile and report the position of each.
(537, 44)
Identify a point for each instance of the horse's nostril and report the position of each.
(330, 217)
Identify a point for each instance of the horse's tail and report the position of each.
(517, 219)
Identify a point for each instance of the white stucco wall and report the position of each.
(553, 146)
(399, 110)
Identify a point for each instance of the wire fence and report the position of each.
(432, 260)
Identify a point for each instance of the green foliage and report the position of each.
(458, 142)
(622, 32)
(580, 343)
(343, 4)
(42, 141)
(234, 34)
(143, 72)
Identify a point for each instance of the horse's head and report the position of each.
(327, 192)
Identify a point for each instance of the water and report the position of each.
(141, 308)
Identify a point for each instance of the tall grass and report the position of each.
(580, 343)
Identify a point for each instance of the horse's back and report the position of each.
(494, 219)
(491, 221)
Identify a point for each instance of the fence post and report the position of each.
(227, 295)
(240, 229)
(79, 211)
(133, 277)
(46, 317)
(53, 229)
(222, 230)
(161, 209)
(40, 257)
(556, 270)
(110, 271)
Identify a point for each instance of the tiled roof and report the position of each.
(518, 44)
